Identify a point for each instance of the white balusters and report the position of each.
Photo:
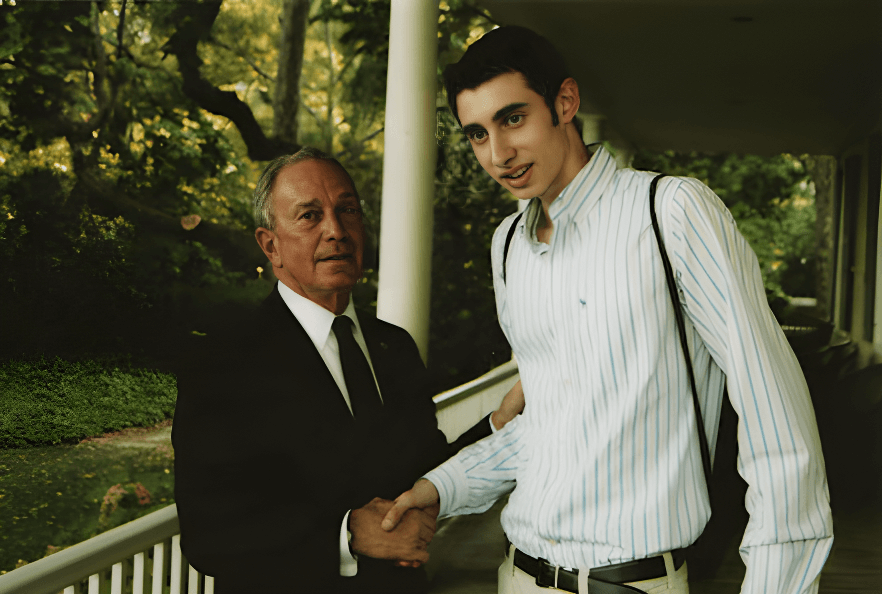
(158, 567)
(177, 566)
(193, 582)
(95, 583)
(139, 573)
(118, 578)
(148, 576)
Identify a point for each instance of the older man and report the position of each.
(294, 429)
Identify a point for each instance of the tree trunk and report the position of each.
(195, 22)
(332, 86)
(286, 102)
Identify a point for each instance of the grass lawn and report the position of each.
(55, 496)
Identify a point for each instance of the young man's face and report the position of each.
(509, 127)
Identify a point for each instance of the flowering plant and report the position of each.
(124, 494)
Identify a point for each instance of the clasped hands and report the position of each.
(396, 531)
(401, 530)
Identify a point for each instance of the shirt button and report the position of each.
(551, 541)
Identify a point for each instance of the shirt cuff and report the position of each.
(493, 428)
(446, 478)
(348, 561)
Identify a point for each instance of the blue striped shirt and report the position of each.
(605, 457)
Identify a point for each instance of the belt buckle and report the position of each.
(546, 574)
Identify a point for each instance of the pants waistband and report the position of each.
(549, 575)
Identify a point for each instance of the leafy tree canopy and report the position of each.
(132, 134)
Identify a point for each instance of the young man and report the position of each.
(604, 470)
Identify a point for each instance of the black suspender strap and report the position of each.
(508, 237)
(681, 328)
(678, 315)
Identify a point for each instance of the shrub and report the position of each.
(50, 401)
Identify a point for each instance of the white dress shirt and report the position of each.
(605, 456)
(317, 321)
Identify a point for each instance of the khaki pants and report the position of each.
(512, 580)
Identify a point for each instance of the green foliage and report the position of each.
(55, 401)
(784, 245)
(102, 154)
(51, 497)
(771, 199)
(465, 338)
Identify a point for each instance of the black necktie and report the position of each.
(363, 395)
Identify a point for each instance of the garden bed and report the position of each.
(52, 497)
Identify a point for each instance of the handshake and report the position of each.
(399, 530)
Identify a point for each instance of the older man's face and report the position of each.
(319, 236)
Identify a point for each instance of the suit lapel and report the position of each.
(378, 348)
(299, 368)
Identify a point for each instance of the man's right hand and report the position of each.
(510, 407)
(423, 495)
(406, 542)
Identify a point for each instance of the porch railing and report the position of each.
(141, 557)
(144, 556)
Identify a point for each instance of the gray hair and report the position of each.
(262, 204)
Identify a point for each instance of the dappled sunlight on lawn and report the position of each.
(51, 497)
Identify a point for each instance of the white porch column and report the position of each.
(408, 169)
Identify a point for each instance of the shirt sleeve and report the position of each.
(789, 534)
(348, 561)
(471, 481)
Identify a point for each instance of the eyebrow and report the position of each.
(307, 203)
(500, 114)
(345, 196)
(316, 203)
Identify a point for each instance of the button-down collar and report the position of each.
(576, 200)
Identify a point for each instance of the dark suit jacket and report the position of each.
(268, 458)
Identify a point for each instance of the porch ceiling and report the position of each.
(754, 76)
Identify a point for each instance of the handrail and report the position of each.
(70, 565)
(459, 393)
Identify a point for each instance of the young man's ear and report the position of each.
(266, 240)
(567, 102)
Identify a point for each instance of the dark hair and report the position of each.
(509, 49)
(262, 204)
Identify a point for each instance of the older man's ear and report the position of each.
(266, 240)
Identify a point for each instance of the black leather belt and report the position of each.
(602, 579)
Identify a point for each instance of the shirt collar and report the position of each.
(577, 198)
(583, 192)
(315, 319)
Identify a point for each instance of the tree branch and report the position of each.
(483, 13)
(196, 20)
(312, 112)
(360, 142)
(120, 29)
(248, 59)
(236, 247)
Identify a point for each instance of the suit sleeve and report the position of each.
(411, 436)
(410, 428)
(789, 534)
(478, 431)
